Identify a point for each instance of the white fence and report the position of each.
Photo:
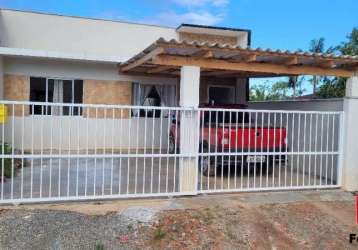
(54, 151)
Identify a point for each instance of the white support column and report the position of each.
(350, 139)
(189, 130)
(1, 78)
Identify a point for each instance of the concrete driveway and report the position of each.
(105, 177)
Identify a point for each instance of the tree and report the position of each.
(295, 83)
(350, 47)
(335, 87)
(316, 46)
(267, 91)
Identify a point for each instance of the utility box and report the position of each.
(3, 113)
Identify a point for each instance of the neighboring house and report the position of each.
(56, 58)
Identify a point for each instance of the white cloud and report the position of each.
(202, 3)
(201, 17)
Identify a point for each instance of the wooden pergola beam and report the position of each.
(328, 63)
(143, 59)
(159, 69)
(290, 61)
(250, 67)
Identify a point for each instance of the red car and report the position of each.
(234, 132)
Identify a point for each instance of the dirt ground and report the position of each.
(277, 220)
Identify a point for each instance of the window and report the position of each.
(153, 95)
(221, 95)
(56, 91)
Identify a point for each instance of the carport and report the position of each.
(189, 61)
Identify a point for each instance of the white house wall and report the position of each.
(1, 78)
(306, 105)
(66, 132)
(77, 35)
(74, 69)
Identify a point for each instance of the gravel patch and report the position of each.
(50, 229)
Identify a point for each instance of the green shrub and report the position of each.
(6, 163)
(99, 246)
(159, 233)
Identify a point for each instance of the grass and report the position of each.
(7, 168)
(99, 246)
(159, 233)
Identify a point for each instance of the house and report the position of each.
(86, 89)
(85, 53)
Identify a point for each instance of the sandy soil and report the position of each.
(284, 220)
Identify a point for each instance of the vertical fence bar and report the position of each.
(262, 145)
(340, 148)
(209, 150)
(327, 150)
(22, 150)
(321, 152)
(236, 145)
(87, 149)
(120, 152)
(2, 160)
(104, 120)
(332, 150)
(78, 150)
(12, 150)
(95, 152)
(145, 147)
(310, 150)
(175, 148)
(112, 148)
(136, 152)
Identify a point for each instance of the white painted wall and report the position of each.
(308, 105)
(74, 69)
(72, 133)
(1, 78)
(350, 159)
(77, 35)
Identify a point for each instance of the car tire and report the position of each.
(205, 166)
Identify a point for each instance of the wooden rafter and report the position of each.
(143, 59)
(159, 69)
(250, 67)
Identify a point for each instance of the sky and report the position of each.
(275, 24)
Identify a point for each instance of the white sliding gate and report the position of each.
(256, 150)
(52, 152)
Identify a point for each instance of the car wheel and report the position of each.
(205, 166)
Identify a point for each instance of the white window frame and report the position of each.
(56, 78)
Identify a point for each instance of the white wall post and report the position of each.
(350, 139)
(1, 78)
(189, 129)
